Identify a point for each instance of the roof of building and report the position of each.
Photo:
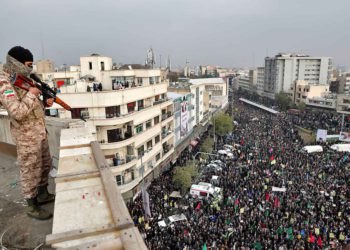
(217, 80)
(173, 95)
(134, 66)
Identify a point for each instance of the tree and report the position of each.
(283, 100)
(207, 145)
(182, 179)
(302, 106)
(223, 124)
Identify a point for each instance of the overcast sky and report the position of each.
(234, 33)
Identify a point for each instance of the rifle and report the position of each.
(25, 83)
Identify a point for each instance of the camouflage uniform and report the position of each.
(28, 131)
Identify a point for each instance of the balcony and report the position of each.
(166, 116)
(127, 163)
(166, 133)
(119, 143)
(160, 101)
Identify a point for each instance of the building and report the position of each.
(302, 91)
(344, 83)
(283, 70)
(131, 116)
(244, 82)
(260, 80)
(184, 116)
(199, 95)
(343, 103)
(217, 89)
(44, 66)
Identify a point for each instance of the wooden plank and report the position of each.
(131, 238)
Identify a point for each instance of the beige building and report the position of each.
(131, 117)
(343, 103)
(44, 66)
(302, 90)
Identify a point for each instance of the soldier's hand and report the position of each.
(35, 91)
(49, 102)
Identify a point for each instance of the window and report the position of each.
(139, 128)
(157, 79)
(114, 135)
(119, 180)
(151, 80)
(131, 106)
(156, 139)
(140, 104)
(102, 66)
(140, 150)
(77, 113)
(148, 124)
(158, 157)
(156, 120)
(139, 81)
(113, 111)
(90, 65)
(149, 144)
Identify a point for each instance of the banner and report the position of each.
(145, 202)
(277, 189)
(321, 135)
(344, 136)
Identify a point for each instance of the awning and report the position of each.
(194, 143)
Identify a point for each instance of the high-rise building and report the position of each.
(260, 80)
(283, 70)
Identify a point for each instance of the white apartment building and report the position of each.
(283, 70)
(260, 80)
(217, 88)
(131, 117)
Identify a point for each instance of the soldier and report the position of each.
(26, 112)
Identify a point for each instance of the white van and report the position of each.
(205, 191)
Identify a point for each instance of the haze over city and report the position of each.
(231, 33)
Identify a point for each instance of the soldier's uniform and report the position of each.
(28, 131)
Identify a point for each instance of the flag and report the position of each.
(198, 206)
(241, 210)
(312, 238)
(276, 202)
(145, 202)
(204, 246)
(280, 230)
(60, 83)
(273, 162)
(237, 201)
(267, 196)
(317, 231)
(257, 245)
(290, 233)
(319, 241)
(272, 158)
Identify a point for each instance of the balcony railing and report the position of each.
(165, 133)
(118, 162)
(167, 148)
(166, 116)
(118, 139)
(160, 101)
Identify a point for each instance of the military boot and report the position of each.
(35, 211)
(44, 196)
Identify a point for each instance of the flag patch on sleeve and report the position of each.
(9, 93)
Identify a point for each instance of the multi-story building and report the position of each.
(244, 82)
(130, 115)
(302, 91)
(184, 116)
(260, 80)
(344, 83)
(283, 70)
(217, 88)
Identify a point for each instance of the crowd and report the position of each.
(275, 196)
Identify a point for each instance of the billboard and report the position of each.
(184, 117)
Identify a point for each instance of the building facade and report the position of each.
(283, 70)
(130, 116)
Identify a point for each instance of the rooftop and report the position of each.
(217, 80)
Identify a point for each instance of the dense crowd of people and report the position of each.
(275, 195)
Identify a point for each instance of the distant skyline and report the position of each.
(228, 33)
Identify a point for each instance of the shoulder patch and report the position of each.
(9, 93)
